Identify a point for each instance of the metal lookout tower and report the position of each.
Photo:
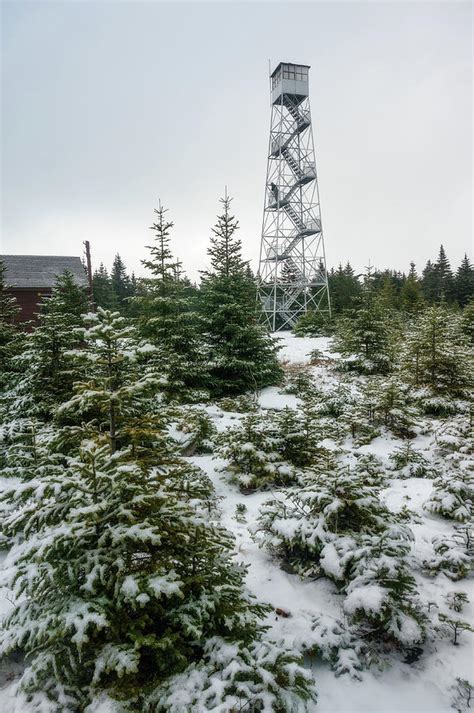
(292, 271)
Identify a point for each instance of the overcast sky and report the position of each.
(109, 106)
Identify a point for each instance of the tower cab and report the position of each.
(290, 80)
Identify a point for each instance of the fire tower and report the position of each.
(292, 271)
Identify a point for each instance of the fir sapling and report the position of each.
(463, 695)
(250, 452)
(382, 603)
(453, 490)
(453, 627)
(334, 642)
(408, 462)
(456, 601)
(437, 361)
(451, 556)
(366, 338)
(314, 527)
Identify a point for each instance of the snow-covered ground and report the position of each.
(421, 687)
(409, 688)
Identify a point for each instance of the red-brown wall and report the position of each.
(28, 299)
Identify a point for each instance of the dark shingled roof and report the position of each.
(41, 270)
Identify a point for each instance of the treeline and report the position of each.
(400, 291)
(113, 290)
(407, 292)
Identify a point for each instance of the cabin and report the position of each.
(29, 278)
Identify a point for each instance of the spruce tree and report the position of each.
(9, 342)
(313, 528)
(42, 380)
(167, 316)
(437, 356)
(408, 462)
(121, 284)
(124, 580)
(337, 526)
(467, 322)
(344, 288)
(453, 556)
(366, 337)
(453, 491)
(387, 291)
(104, 295)
(411, 299)
(313, 324)
(445, 282)
(251, 456)
(242, 355)
(464, 282)
(438, 281)
(382, 603)
(429, 283)
(392, 405)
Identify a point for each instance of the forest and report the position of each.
(197, 515)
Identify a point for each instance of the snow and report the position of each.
(272, 398)
(421, 687)
(296, 350)
(369, 598)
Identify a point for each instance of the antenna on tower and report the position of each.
(292, 271)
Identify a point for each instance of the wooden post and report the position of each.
(89, 272)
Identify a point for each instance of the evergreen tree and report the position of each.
(464, 282)
(387, 290)
(314, 528)
(168, 317)
(250, 452)
(242, 355)
(453, 492)
(43, 380)
(453, 556)
(344, 288)
(445, 284)
(411, 299)
(392, 406)
(467, 322)
(336, 525)
(313, 324)
(225, 249)
(104, 295)
(9, 343)
(408, 462)
(121, 284)
(429, 283)
(382, 603)
(438, 282)
(436, 355)
(366, 337)
(300, 433)
(124, 581)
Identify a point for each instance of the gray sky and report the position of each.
(108, 106)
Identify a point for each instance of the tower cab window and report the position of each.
(293, 72)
